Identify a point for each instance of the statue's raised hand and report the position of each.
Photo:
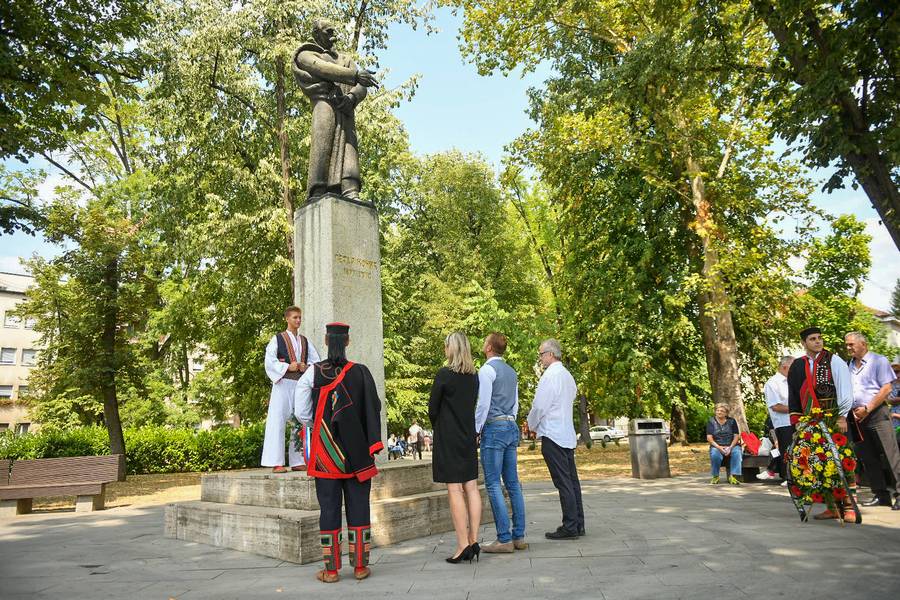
(366, 78)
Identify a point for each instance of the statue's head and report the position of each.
(323, 33)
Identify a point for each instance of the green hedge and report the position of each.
(149, 449)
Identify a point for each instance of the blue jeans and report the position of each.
(716, 458)
(499, 441)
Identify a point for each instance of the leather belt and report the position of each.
(501, 418)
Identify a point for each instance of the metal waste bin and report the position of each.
(649, 451)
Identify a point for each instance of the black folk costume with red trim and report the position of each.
(820, 462)
(345, 436)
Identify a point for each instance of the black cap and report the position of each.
(337, 328)
(808, 332)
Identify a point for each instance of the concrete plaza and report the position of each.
(676, 538)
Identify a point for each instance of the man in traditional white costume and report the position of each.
(288, 355)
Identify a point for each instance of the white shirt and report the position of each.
(275, 369)
(486, 377)
(776, 392)
(303, 406)
(551, 412)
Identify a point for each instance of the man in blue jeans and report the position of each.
(495, 420)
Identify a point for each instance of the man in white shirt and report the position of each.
(288, 355)
(551, 420)
(776, 394)
(416, 438)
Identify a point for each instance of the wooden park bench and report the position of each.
(84, 477)
(751, 465)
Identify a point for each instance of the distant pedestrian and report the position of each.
(551, 420)
(416, 438)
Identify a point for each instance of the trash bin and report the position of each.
(649, 452)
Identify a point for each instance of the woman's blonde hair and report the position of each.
(459, 355)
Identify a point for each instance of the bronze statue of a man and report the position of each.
(335, 86)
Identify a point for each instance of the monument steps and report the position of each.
(277, 515)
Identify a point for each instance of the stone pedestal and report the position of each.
(277, 515)
(337, 277)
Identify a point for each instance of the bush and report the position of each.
(149, 449)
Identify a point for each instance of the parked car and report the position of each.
(606, 433)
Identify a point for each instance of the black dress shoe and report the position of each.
(876, 501)
(561, 534)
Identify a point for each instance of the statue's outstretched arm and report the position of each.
(313, 65)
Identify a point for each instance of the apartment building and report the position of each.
(18, 350)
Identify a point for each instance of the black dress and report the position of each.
(452, 413)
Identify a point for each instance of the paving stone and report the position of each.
(664, 540)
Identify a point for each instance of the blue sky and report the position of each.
(454, 107)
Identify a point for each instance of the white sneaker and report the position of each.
(784, 483)
(765, 475)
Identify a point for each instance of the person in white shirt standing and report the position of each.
(288, 355)
(551, 420)
(776, 394)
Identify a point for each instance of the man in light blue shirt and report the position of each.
(872, 378)
(495, 421)
(551, 420)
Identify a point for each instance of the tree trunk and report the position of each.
(585, 426)
(286, 197)
(678, 432)
(717, 330)
(108, 362)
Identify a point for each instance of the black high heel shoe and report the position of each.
(476, 552)
(466, 554)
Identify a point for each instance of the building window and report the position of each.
(11, 321)
(28, 356)
(7, 356)
(29, 323)
(5, 391)
(22, 428)
(4, 426)
(23, 391)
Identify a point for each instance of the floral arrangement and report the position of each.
(821, 462)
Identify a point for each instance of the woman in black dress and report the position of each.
(455, 459)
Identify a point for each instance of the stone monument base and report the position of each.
(277, 515)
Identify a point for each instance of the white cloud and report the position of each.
(885, 267)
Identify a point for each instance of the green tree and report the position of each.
(895, 298)
(51, 58)
(837, 266)
(833, 81)
(455, 258)
(649, 127)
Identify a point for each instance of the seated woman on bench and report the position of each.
(724, 439)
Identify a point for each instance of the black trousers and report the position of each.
(878, 437)
(561, 463)
(355, 495)
(784, 435)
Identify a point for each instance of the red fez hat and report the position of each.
(337, 328)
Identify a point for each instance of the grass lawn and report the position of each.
(612, 461)
(596, 463)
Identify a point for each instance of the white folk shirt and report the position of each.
(551, 411)
(281, 403)
(776, 392)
